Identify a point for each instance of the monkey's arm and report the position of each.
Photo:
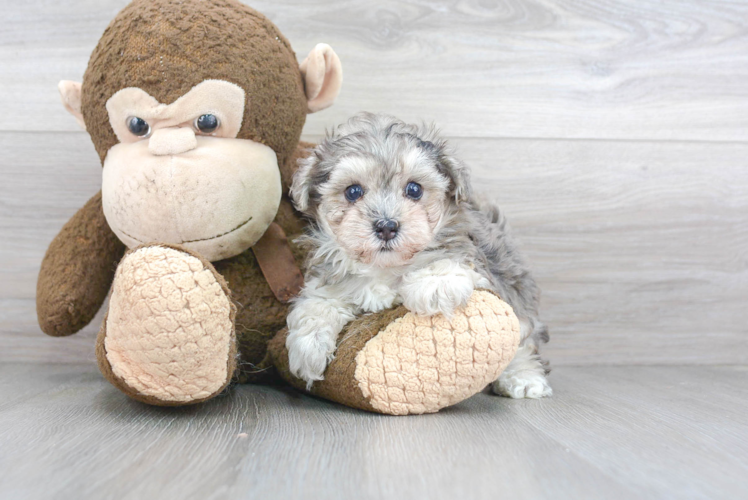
(77, 271)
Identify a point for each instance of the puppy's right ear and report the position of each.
(302, 185)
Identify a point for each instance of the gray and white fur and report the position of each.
(394, 221)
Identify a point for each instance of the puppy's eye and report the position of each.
(138, 127)
(207, 124)
(354, 192)
(414, 191)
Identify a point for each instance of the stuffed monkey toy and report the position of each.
(195, 108)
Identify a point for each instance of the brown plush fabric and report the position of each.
(166, 47)
(277, 263)
(289, 219)
(339, 384)
(77, 271)
(287, 169)
(259, 313)
(106, 368)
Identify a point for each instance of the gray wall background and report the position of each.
(613, 133)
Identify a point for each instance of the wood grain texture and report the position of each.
(609, 432)
(614, 134)
(641, 248)
(608, 69)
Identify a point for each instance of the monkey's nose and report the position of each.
(172, 141)
(386, 229)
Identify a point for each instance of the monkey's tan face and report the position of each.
(179, 175)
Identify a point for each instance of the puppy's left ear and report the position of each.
(458, 174)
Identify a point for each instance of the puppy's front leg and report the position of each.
(313, 327)
(440, 287)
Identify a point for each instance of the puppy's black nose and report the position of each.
(386, 229)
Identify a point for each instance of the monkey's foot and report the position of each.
(398, 363)
(168, 338)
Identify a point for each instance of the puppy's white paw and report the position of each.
(310, 349)
(313, 326)
(522, 384)
(439, 288)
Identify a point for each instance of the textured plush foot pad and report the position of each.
(399, 363)
(168, 338)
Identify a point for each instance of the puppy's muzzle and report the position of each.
(386, 229)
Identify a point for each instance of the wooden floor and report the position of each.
(609, 432)
(614, 135)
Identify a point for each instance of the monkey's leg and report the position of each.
(259, 315)
(168, 338)
(77, 271)
(398, 363)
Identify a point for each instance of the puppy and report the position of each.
(394, 222)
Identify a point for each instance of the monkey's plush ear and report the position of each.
(323, 76)
(70, 92)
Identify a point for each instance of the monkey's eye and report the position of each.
(138, 126)
(207, 124)
(414, 191)
(354, 192)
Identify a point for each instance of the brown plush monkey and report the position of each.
(196, 108)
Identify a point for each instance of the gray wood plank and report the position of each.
(641, 248)
(609, 432)
(607, 69)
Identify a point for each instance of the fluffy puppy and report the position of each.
(394, 222)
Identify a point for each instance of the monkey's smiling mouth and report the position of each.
(222, 234)
(199, 239)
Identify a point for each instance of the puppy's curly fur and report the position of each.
(394, 221)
